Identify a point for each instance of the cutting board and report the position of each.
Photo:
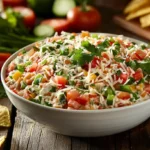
(133, 26)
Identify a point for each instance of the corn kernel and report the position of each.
(143, 94)
(133, 88)
(32, 95)
(140, 87)
(84, 34)
(93, 76)
(17, 75)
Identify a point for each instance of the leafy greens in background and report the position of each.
(13, 35)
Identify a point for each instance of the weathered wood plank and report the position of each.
(80, 143)
(104, 143)
(140, 137)
(30, 135)
(123, 141)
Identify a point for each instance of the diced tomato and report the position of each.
(32, 68)
(98, 42)
(83, 99)
(72, 94)
(60, 80)
(74, 104)
(86, 67)
(105, 55)
(134, 56)
(123, 95)
(139, 55)
(15, 91)
(127, 59)
(3, 58)
(93, 95)
(147, 88)
(95, 62)
(138, 74)
(111, 42)
(123, 77)
(128, 44)
(121, 104)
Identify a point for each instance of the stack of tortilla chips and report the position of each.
(139, 9)
(4, 122)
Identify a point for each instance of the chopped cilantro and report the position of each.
(64, 51)
(37, 79)
(117, 59)
(118, 72)
(48, 104)
(52, 89)
(130, 80)
(62, 99)
(143, 46)
(36, 101)
(132, 64)
(23, 84)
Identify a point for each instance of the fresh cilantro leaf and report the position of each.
(89, 46)
(81, 58)
(132, 64)
(145, 66)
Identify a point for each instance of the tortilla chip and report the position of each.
(135, 5)
(145, 21)
(141, 12)
(4, 117)
(2, 140)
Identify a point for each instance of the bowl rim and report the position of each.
(107, 110)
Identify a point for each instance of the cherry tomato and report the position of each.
(74, 104)
(73, 94)
(3, 58)
(95, 62)
(139, 55)
(83, 99)
(58, 24)
(84, 20)
(60, 80)
(138, 74)
(123, 95)
(32, 68)
(147, 88)
(14, 3)
(28, 15)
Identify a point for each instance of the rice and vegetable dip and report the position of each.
(82, 71)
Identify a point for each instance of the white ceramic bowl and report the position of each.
(82, 123)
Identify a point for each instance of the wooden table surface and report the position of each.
(26, 134)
